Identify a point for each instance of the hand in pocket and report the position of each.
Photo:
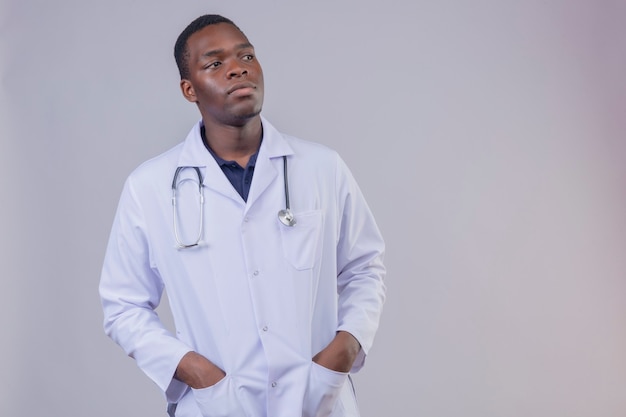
(324, 387)
(220, 400)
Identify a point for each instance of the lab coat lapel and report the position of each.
(195, 154)
(269, 164)
(215, 180)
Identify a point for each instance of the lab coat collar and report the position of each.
(268, 165)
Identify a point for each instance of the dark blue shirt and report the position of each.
(239, 177)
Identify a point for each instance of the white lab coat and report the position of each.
(257, 298)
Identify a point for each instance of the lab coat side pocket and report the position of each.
(220, 400)
(322, 393)
(301, 242)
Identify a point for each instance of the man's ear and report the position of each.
(188, 90)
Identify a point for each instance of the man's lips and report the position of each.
(240, 86)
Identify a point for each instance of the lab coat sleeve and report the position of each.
(130, 290)
(360, 251)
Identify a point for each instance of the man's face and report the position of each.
(225, 78)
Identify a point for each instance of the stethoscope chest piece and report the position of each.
(286, 217)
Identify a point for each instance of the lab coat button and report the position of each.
(246, 219)
(255, 273)
(274, 384)
(264, 328)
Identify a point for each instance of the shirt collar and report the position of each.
(222, 162)
(194, 153)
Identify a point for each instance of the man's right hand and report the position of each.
(197, 371)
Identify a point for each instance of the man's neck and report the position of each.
(234, 143)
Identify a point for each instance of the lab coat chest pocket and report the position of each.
(302, 242)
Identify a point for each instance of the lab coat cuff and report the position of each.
(358, 362)
(176, 389)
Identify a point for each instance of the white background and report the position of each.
(488, 137)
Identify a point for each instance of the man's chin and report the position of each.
(243, 117)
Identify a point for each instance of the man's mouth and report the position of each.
(248, 86)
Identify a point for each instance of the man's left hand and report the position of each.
(340, 353)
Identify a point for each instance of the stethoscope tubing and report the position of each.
(286, 181)
(179, 243)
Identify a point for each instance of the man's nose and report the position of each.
(236, 70)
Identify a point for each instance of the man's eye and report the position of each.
(248, 57)
(214, 64)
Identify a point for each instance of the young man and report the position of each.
(270, 256)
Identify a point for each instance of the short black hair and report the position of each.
(181, 53)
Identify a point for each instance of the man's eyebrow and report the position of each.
(244, 45)
(214, 52)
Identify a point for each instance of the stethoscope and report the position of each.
(285, 215)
